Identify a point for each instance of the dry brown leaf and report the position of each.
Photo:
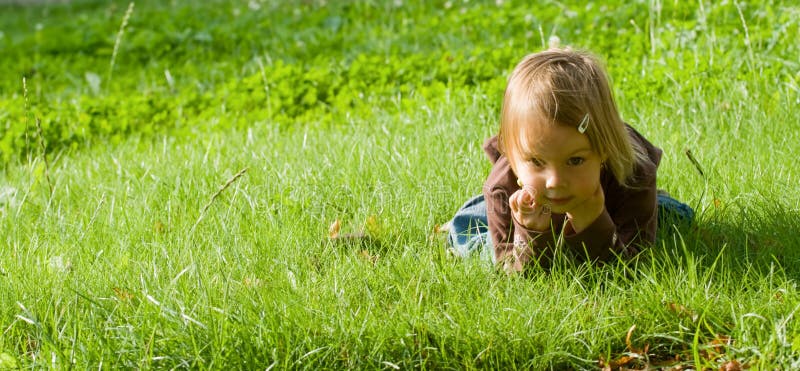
(158, 227)
(630, 346)
(716, 348)
(720, 342)
(32, 345)
(603, 365)
(122, 294)
(615, 364)
(628, 338)
(717, 203)
(437, 229)
(681, 311)
(364, 254)
(333, 230)
(733, 365)
(623, 362)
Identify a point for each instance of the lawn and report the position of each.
(170, 172)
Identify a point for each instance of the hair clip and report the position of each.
(584, 124)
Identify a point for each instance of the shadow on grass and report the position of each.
(747, 238)
(684, 288)
(725, 256)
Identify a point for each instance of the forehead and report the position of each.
(550, 140)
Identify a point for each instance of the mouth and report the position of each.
(558, 201)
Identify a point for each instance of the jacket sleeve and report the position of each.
(514, 245)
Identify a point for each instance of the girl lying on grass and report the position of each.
(568, 174)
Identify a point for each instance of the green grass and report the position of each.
(373, 114)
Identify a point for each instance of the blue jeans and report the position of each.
(469, 230)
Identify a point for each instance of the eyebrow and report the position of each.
(532, 154)
(583, 149)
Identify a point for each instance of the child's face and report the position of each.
(561, 166)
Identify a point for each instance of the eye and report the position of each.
(575, 161)
(536, 162)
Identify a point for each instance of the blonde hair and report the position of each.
(566, 87)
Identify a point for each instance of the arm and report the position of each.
(514, 245)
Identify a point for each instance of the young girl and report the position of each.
(568, 174)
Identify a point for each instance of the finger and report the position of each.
(530, 190)
(512, 202)
(531, 193)
(525, 197)
(525, 204)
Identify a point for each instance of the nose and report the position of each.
(554, 179)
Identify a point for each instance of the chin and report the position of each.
(559, 209)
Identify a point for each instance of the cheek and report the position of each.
(587, 183)
(533, 179)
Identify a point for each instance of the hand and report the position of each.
(583, 215)
(527, 211)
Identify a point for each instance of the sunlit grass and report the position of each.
(121, 266)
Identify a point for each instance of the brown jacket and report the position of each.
(628, 221)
